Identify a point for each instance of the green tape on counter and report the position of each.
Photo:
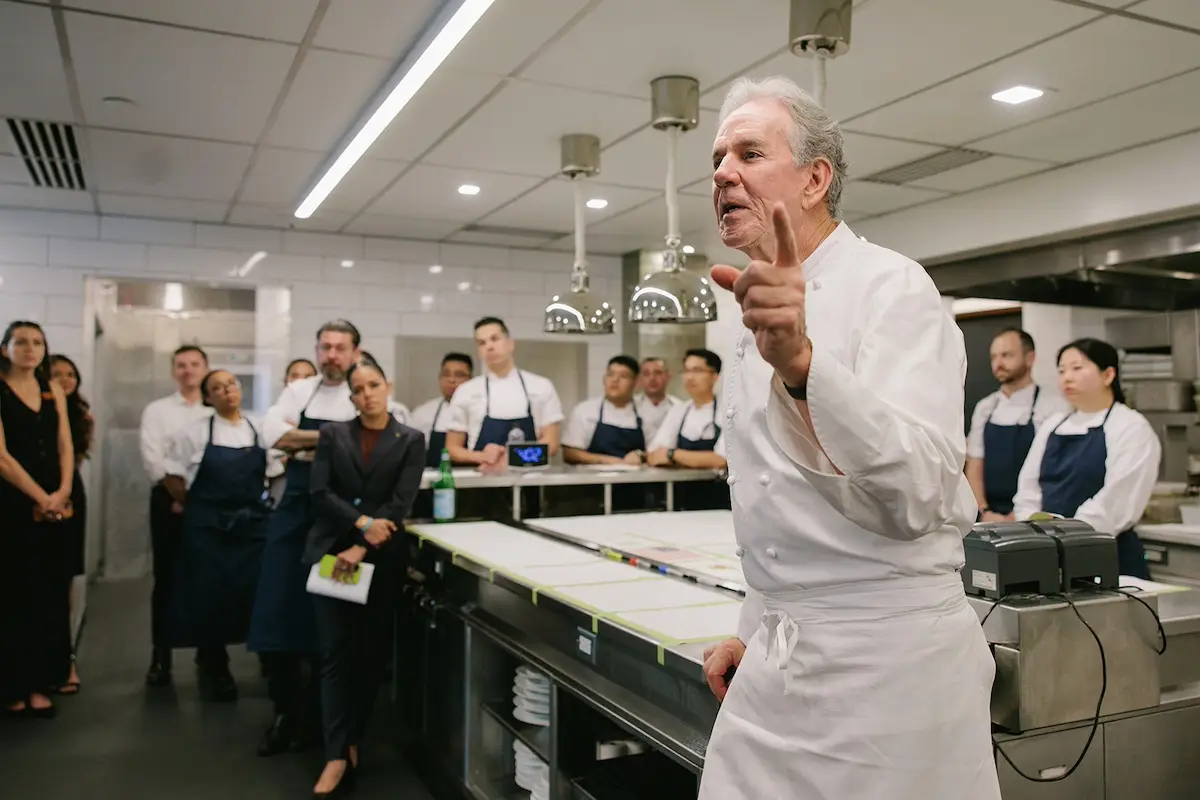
(662, 658)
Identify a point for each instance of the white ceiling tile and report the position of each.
(445, 98)
(1181, 12)
(383, 28)
(38, 197)
(510, 32)
(879, 198)
(326, 220)
(886, 61)
(280, 177)
(432, 193)
(268, 19)
(651, 220)
(32, 82)
(666, 42)
(331, 90)
(552, 206)
(1096, 61)
(519, 129)
(162, 208)
(13, 170)
(400, 227)
(981, 173)
(497, 239)
(136, 163)
(641, 160)
(867, 155)
(701, 188)
(183, 82)
(1157, 111)
(609, 245)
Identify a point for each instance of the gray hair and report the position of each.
(814, 133)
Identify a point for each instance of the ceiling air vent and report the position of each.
(928, 166)
(50, 153)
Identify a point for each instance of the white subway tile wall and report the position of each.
(46, 256)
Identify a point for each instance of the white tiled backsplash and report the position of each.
(389, 292)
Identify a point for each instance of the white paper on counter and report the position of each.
(597, 570)
(689, 624)
(644, 595)
(502, 546)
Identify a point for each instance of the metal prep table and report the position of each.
(557, 594)
(1173, 552)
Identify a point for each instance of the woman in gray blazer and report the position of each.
(365, 476)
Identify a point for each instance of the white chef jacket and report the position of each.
(161, 420)
(885, 391)
(586, 415)
(654, 415)
(469, 405)
(187, 446)
(697, 422)
(1131, 468)
(1007, 410)
(331, 403)
(424, 416)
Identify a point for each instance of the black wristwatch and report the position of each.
(796, 392)
(671, 456)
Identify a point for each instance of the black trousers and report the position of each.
(355, 643)
(166, 529)
(293, 684)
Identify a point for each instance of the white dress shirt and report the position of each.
(653, 415)
(1131, 468)
(697, 422)
(161, 420)
(586, 416)
(470, 405)
(885, 392)
(318, 401)
(425, 415)
(187, 446)
(1002, 409)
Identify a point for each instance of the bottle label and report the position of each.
(443, 504)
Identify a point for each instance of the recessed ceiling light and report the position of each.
(1017, 95)
(687, 248)
(464, 286)
(426, 301)
(436, 269)
(468, 189)
(597, 203)
(347, 263)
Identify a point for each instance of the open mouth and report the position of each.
(731, 208)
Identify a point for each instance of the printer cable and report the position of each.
(1131, 593)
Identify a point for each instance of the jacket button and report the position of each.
(740, 551)
(732, 479)
(764, 479)
(816, 285)
(729, 413)
(771, 552)
(741, 351)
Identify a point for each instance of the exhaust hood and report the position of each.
(1153, 268)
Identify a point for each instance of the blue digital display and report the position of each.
(528, 455)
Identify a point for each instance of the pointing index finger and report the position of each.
(785, 238)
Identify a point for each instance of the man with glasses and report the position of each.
(690, 436)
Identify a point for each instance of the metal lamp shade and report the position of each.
(581, 311)
(673, 296)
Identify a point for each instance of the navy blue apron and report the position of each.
(1073, 471)
(1004, 451)
(220, 548)
(500, 431)
(700, 495)
(283, 617)
(437, 440)
(609, 440)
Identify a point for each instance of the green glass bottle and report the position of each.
(443, 491)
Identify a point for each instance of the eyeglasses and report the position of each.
(224, 388)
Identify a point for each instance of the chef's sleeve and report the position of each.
(1131, 470)
(455, 416)
(1028, 499)
(281, 417)
(153, 443)
(580, 429)
(548, 410)
(400, 412)
(183, 453)
(667, 435)
(979, 419)
(891, 425)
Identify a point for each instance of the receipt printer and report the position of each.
(1004, 558)
(1086, 557)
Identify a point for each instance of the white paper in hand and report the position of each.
(350, 592)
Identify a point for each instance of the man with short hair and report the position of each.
(861, 670)
(1004, 423)
(161, 421)
(431, 416)
(653, 402)
(608, 429)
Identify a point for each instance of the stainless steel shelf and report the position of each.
(534, 737)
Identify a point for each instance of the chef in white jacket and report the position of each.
(861, 671)
(653, 402)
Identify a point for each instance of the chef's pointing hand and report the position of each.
(771, 294)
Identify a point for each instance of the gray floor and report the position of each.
(117, 739)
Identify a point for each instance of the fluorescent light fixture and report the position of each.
(688, 249)
(469, 189)
(442, 45)
(436, 269)
(250, 264)
(173, 297)
(347, 263)
(1017, 95)
(597, 203)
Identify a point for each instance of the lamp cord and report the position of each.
(580, 223)
(673, 236)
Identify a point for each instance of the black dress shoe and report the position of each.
(279, 738)
(217, 685)
(159, 674)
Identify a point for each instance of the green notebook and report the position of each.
(326, 570)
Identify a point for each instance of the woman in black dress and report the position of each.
(37, 465)
(79, 413)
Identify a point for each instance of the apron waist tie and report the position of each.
(783, 634)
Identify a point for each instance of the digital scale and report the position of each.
(528, 455)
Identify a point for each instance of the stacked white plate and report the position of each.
(532, 773)
(531, 697)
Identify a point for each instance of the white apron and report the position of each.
(867, 691)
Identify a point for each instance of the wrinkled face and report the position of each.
(370, 391)
(753, 169)
(65, 376)
(452, 375)
(188, 369)
(1010, 362)
(336, 352)
(698, 377)
(494, 345)
(299, 371)
(27, 348)
(1081, 381)
(654, 378)
(223, 392)
(619, 381)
